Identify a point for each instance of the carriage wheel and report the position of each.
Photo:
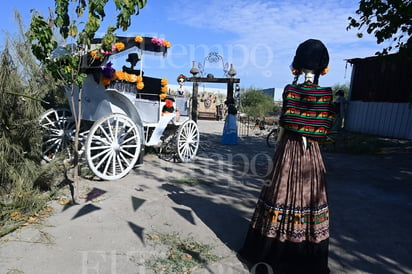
(113, 146)
(58, 125)
(187, 141)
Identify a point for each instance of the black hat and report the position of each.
(311, 54)
(133, 58)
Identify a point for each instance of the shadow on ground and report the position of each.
(369, 198)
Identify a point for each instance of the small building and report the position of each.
(380, 96)
(275, 93)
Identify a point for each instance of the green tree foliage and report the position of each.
(41, 29)
(255, 103)
(387, 20)
(22, 86)
(22, 83)
(18, 133)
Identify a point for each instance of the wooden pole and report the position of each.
(194, 100)
(230, 88)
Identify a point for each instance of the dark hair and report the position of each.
(311, 54)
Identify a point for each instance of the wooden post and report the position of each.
(194, 100)
(230, 88)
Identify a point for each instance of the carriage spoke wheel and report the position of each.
(59, 127)
(113, 146)
(187, 141)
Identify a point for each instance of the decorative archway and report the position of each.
(196, 80)
(229, 72)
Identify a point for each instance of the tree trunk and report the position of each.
(77, 120)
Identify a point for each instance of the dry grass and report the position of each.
(182, 256)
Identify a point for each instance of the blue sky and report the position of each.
(258, 37)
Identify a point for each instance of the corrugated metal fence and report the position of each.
(393, 120)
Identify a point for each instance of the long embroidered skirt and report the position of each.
(289, 230)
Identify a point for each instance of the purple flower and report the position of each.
(108, 71)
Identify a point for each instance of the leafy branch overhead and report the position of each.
(65, 63)
(90, 15)
(387, 20)
(96, 14)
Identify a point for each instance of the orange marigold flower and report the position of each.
(164, 81)
(139, 78)
(94, 54)
(167, 44)
(138, 39)
(119, 75)
(162, 96)
(127, 76)
(105, 81)
(140, 85)
(133, 78)
(296, 71)
(164, 89)
(324, 71)
(119, 46)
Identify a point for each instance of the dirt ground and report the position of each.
(211, 200)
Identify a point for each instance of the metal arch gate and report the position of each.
(196, 80)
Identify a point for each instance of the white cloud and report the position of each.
(259, 37)
(265, 34)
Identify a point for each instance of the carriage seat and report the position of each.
(152, 88)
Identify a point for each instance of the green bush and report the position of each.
(23, 85)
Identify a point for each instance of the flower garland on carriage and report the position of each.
(128, 78)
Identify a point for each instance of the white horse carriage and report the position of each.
(122, 114)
